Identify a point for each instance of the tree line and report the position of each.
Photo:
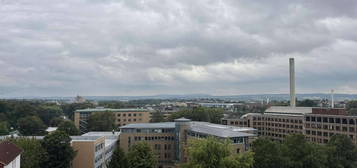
(54, 150)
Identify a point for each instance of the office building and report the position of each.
(169, 139)
(122, 116)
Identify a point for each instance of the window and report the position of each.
(313, 118)
(118, 115)
(157, 146)
(307, 118)
(344, 121)
(352, 122)
(134, 114)
(124, 115)
(129, 115)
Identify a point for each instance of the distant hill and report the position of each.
(338, 97)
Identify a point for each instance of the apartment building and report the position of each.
(317, 124)
(169, 139)
(122, 116)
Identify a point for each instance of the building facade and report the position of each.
(122, 116)
(94, 149)
(317, 124)
(169, 139)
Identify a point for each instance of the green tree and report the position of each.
(214, 153)
(352, 107)
(141, 155)
(55, 122)
(119, 159)
(101, 121)
(59, 150)
(4, 130)
(68, 109)
(301, 153)
(342, 153)
(69, 128)
(157, 116)
(307, 103)
(31, 125)
(267, 154)
(33, 153)
(213, 115)
(49, 112)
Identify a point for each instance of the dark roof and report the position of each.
(8, 152)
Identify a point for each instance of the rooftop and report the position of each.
(85, 138)
(8, 153)
(289, 110)
(220, 130)
(112, 110)
(150, 125)
(201, 127)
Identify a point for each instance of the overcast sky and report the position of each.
(139, 47)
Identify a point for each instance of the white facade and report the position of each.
(15, 163)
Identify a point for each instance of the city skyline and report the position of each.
(118, 47)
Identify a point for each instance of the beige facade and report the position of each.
(122, 116)
(94, 149)
(169, 140)
(317, 124)
(87, 148)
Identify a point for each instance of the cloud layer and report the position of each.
(125, 47)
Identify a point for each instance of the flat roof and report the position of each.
(218, 130)
(112, 110)
(150, 125)
(289, 110)
(100, 133)
(85, 138)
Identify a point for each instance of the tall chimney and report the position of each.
(332, 99)
(292, 82)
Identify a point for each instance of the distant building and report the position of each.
(317, 124)
(79, 99)
(122, 116)
(169, 139)
(94, 149)
(10, 155)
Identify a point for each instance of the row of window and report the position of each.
(148, 130)
(154, 138)
(325, 134)
(277, 119)
(331, 120)
(129, 120)
(331, 127)
(129, 114)
(166, 146)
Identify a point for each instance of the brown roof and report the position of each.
(8, 152)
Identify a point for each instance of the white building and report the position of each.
(10, 155)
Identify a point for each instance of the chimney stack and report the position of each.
(292, 82)
(332, 99)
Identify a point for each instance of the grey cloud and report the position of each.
(123, 47)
